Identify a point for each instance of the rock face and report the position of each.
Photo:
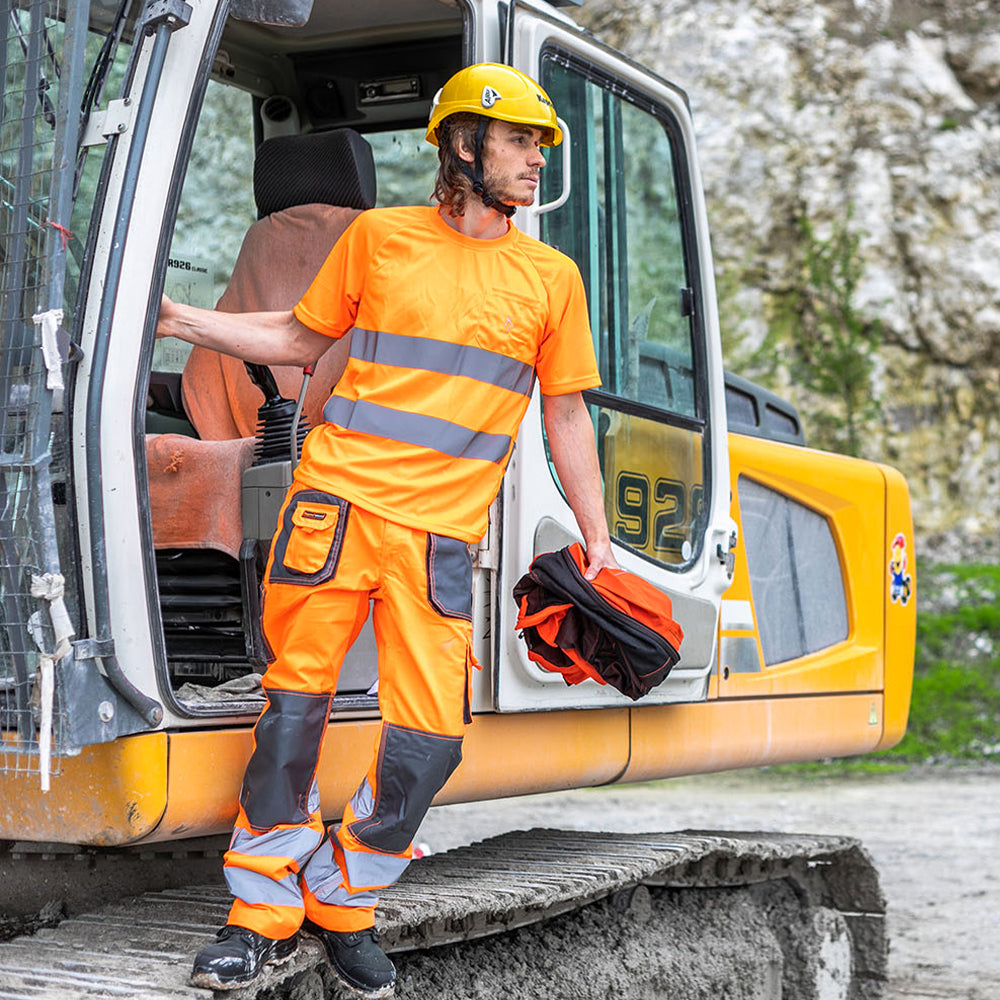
(881, 117)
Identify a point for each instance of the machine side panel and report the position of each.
(107, 795)
(675, 740)
(900, 604)
(805, 612)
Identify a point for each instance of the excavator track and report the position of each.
(142, 947)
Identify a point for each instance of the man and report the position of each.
(454, 314)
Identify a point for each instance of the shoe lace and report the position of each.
(353, 938)
(231, 930)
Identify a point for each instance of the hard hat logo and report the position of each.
(490, 97)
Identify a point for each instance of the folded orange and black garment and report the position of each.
(616, 629)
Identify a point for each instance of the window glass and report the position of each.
(795, 577)
(653, 488)
(623, 226)
(405, 164)
(216, 210)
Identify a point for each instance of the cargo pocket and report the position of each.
(308, 546)
(449, 576)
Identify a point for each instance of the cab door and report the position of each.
(622, 198)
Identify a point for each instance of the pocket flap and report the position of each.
(315, 516)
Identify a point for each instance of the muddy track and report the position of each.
(933, 835)
(678, 916)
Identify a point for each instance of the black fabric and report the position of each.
(412, 768)
(280, 773)
(625, 652)
(326, 168)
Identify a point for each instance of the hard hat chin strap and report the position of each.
(475, 174)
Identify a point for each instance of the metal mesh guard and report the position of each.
(39, 53)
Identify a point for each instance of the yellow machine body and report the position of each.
(850, 698)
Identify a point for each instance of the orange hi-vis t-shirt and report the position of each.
(449, 333)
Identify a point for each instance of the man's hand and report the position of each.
(599, 556)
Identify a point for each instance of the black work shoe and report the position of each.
(357, 960)
(238, 956)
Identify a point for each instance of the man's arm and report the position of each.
(266, 338)
(574, 454)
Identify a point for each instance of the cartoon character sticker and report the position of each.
(900, 582)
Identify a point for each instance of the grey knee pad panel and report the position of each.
(412, 767)
(281, 770)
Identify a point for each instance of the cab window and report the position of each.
(215, 211)
(627, 226)
(407, 166)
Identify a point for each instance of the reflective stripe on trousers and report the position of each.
(330, 560)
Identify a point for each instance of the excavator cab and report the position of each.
(216, 150)
(222, 151)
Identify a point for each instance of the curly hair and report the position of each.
(452, 186)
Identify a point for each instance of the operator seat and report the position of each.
(308, 189)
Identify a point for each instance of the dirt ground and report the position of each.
(934, 836)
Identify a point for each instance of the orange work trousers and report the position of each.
(330, 560)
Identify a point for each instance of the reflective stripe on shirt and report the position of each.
(424, 353)
(416, 428)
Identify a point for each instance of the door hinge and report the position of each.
(727, 556)
(173, 13)
(115, 119)
(93, 649)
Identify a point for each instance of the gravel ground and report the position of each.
(934, 836)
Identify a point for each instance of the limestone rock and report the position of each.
(882, 116)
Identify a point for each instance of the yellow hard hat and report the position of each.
(495, 91)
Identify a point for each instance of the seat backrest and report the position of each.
(296, 179)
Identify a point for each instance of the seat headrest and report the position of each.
(328, 168)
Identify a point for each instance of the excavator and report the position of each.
(216, 150)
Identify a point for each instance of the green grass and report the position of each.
(874, 764)
(955, 710)
(955, 713)
(987, 574)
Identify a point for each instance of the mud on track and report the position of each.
(934, 836)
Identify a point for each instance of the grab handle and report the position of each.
(567, 180)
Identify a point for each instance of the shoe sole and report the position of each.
(381, 993)
(208, 981)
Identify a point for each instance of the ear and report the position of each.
(462, 148)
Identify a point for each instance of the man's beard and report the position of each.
(502, 188)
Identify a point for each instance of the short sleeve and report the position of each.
(566, 361)
(330, 303)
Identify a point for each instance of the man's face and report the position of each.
(512, 158)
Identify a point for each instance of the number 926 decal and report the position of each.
(656, 517)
